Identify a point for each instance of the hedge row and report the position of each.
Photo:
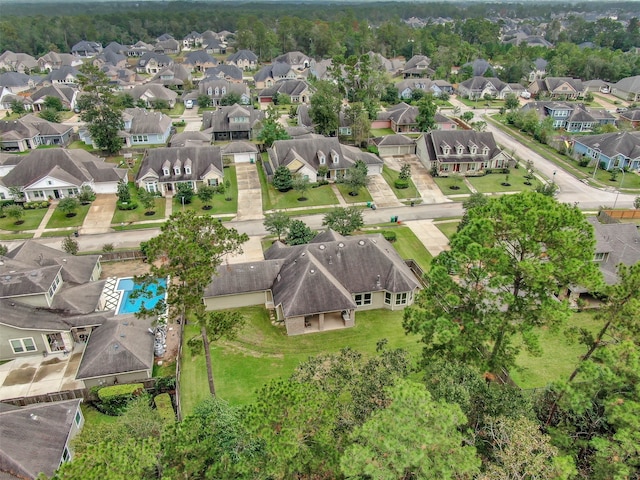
(165, 407)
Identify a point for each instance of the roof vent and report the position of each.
(341, 245)
(7, 277)
(303, 254)
(322, 247)
(122, 335)
(34, 274)
(361, 242)
(312, 271)
(116, 346)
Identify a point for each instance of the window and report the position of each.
(459, 150)
(38, 194)
(485, 151)
(2, 197)
(401, 298)
(176, 170)
(362, 299)
(78, 418)
(54, 286)
(210, 91)
(387, 298)
(213, 182)
(72, 191)
(599, 256)
(474, 150)
(22, 345)
(49, 182)
(446, 150)
(66, 456)
(336, 158)
(187, 170)
(165, 171)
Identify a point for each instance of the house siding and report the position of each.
(236, 301)
(10, 333)
(131, 377)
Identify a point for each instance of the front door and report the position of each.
(56, 193)
(456, 167)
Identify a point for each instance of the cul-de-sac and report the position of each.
(319, 240)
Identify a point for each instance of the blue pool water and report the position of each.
(134, 305)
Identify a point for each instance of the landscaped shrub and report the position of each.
(131, 205)
(389, 235)
(35, 205)
(583, 162)
(114, 399)
(165, 407)
(401, 184)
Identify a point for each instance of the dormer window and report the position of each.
(165, 171)
(187, 170)
(323, 159)
(224, 90)
(473, 150)
(217, 91)
(459, 149)
(335, 157)
(176, 170)
(485, 151)
(210, 91)
(446, 150)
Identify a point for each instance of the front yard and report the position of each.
(59, 218)
(219, 202)
(30, 220)
(391, 176)
(493, 182)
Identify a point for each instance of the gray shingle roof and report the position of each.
(480, 83)
(224, 71)
(435, 140)
(190, 139)
(27, 317)
(31, 125)
(203, 160)
(79, 165)
(629, 84)
(63, 92)
(287, 87)
(621, 241)
(612, 144)
(292, 58)
(392, 140)
(247, 55)
(35, 437)
(274, 70)
(146, 122)
(218, 120)
(15, 79)
(121, 344)
(199, 57)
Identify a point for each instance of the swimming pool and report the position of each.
(127, 304)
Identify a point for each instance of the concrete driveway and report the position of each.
(428, 189)
(98, 219)
(249, 192)
(432, 238)
(382, 193)
(251, 252)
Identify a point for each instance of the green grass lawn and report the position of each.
(219, 202)
(32, 219)
(493, 182)
(445, 182)
(363, 195)
(93, 418)
(59, 219)
(80, 144)
(559, 357)
(482, 103)
(58, 233)
(381, 132)
(409, 246)
(15, 236)
(391, 176)
(264, 352)
(448, 228)
(139, 214)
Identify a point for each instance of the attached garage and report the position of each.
(391, 145)
(240, 152)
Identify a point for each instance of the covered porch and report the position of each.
(320, 322)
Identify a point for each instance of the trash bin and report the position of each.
(75, 234)
(368, 204)
(373, 206)
(413, 204)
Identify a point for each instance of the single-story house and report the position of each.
(59, 173)
(561, 88)
(240, 152)
(627, 89)
(65, 93)
(37, 438)
(236, 122)
(162, 169)
(146, 128)
(190, 139)
(616, 243)
(402, 118)
(31, 131)
(436, 87)
(305, 156)
(466, 152)
(318, 286)
(153, 92)
(632, 115)
(614, 150)
(477, 87)
(18, 82)
(298, 91)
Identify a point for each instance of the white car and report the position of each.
(526, 94)
(188, 104)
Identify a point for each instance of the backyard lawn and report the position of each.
(493, 181)
(59, 219)
(381, 132)
(31, 219)
(559, 357)
(263, 352)
(391, 176)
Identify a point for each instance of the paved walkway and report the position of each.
(381, 192)
(249, 192)
(168, 206)
(98, 219)
(433, 239)
(43, 223)
(339, 196)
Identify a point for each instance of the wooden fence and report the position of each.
(178, 368)
(122, 256)
(623, 214)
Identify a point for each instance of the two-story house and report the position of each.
(243, 59)
(217, 89)
(199, 61)
(151, 93)
(152, 63)
(417, 66)
(298, 91)
(476, 88)
(236, 122)
(268, 75)
(297, 60)
(558, 88)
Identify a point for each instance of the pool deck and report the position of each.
(111, 296)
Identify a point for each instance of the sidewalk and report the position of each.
(47, 216)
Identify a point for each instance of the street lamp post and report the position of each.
(619, 187)
(182, 199)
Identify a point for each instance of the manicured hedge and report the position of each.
(401, 184)
(114, 399)
(165, 407)
(389, 236)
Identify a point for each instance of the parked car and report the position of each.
(604, 89)
(526, 94)
(621, 109)
(188, 104)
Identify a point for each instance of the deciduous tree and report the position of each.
(299, 233)
(344, 220)
(427, 109)
(276, 223)
(325, 107)
(69, 206)
(272, 129)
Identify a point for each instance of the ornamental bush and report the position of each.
(165, 407)
(389, 235)
(114, 399)
(401, 184)
(131, 205)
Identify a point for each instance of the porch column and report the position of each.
(321, 322)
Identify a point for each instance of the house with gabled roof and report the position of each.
(152, 63)
(570, 116)
(30, 131)
(230, 73)
(477, 87)
(627, 88)
(298, 91)
(199, 61)
(54, 60)
(217, 89)
(417, 66)
(270, 74)
(610, 150)
(110, 57)
(538, 69)
(173, 77)
(297, 60)
(632, 115)
(86, 49)
(190, 139)
(167, 44)
(236, 122)
(143, 127)
(436, 87)
(65, 93)
(18, 82)
(63, 75)
(391, 145)
(466, 152)
(306, 155)
(37, 437)
(402, 118)
(559, 88)
(320, 285)
(17, 62)
(192, 39)
(243, 59)
(162, 169)
(151, 93)
(59, 173)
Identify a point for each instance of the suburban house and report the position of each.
(559, 88)
(174, 76)
(230, 73)
(17, 62)
(8, 99)
(139, 48)
(217, 89)
(145, 128)
(270, 74)
(243, 59)
(394, 145)
(479, 68)
(402, 118)
(123, 77)
(538, 69)
(318, 286)
(296, 60)
(214, 45)
(54, 60)
(53, 303)
(151, 93)
(570, 116)
(466, 152)
(380, 62)
(632, 115)
(237, 122)
(627, 89)
(18, 82)
(66, 94)
(306, 155)
(152, 63)
(193, 39)
(240, 152)
(167, 44)
(59, 173)
(417, 66)
(63, 75)
(162, 169)
(30, 131)
(38, 437)
(436, 87)
(199, 61)
(610, 150)
(476, 88)
(298, 91)
(190, 139)
(85, 49)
